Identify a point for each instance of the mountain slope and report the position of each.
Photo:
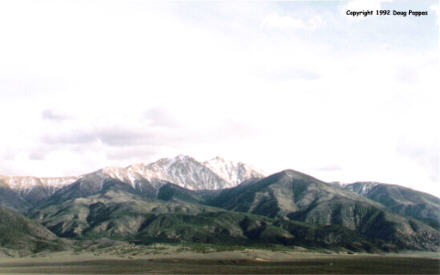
(31, 190)
(283, 194)
(169, 192)
(11, 199)
(118, 210)
(20, 233)
(121, 215)
(401, 200)
(295, 196)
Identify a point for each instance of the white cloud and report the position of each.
(276, 21)
(436, 10)
(114, 84)
(359, 5)
(55, 115)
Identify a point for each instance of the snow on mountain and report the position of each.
(122, 174)
(182, 170)
(23, 184)
(33, 189)
(232, 172)
(362, 188)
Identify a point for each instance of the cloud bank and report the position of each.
(278, 85)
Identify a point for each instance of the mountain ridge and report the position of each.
(401, 200)
(118, 213)
(182, 170)
(292, 195)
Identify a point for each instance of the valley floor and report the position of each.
(167, 259)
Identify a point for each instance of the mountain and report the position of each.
(182, 170)
(21, 234)
(146, 180)
(185, 171)
(291, 195)
(173, 192)
(11, 199)
(286, 194)
(180, 198)
(401, 200)
(232, 172)
(188, 173)
(116, 212)
(30, 190)
(96, 207)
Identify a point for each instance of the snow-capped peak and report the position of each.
(187, 172)
(118, 173)
(230, 171)
(182, 170)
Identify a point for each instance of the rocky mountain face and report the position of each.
(233, 173)
(401, 200)
(191, 174)
(30, 190)
(182, 170)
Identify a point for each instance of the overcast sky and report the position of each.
(301, 85)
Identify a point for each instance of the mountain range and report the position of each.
(184, 171)
(218, 201)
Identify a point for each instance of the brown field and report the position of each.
(168, 260)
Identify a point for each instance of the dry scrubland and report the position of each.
(161, 258)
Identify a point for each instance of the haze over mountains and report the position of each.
(218, 201)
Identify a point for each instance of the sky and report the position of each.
(278, 85)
